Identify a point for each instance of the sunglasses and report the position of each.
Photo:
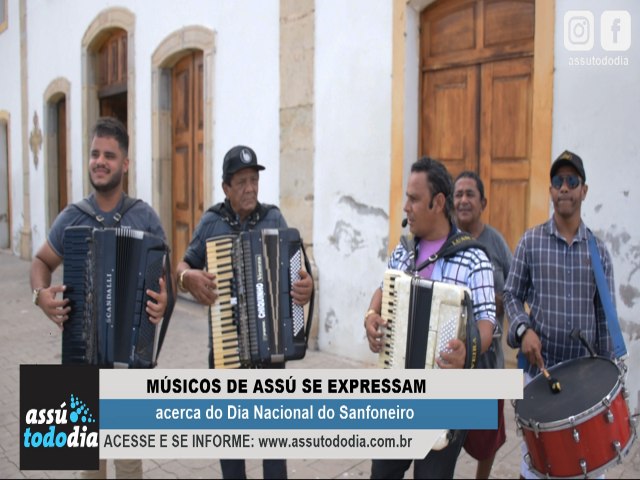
(573, 181)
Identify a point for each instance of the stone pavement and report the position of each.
(27, 337)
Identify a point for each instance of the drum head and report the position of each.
(584, 383)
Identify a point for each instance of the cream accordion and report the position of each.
(255, 322)
(422, 317)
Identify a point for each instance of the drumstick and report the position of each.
(554, 384)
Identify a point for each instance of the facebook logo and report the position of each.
(615, 30)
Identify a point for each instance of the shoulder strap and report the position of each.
(126, 205)
(228, 216)
(85, 207)
(455, 243)
(619, 348)
(217, 208)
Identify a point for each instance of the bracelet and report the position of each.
(181, 280)
(371, 311)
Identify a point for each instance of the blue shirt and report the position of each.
(139, 217)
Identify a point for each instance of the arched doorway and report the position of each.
(57, 166)
(182, 129)
(108, 80)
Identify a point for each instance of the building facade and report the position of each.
(337, 99)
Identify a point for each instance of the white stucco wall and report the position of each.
(246, 88)
(245, 76)
(352, 165)
(10, 106)
(52, 56)
(596, 114)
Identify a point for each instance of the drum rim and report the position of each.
(581, 417)
(578, 419)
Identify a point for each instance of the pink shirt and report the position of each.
(425, 250)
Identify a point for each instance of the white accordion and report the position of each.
(422, 317)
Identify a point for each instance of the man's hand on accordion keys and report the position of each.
(201, 284)
(158, 304)
(374, 325)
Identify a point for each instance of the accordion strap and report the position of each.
(85, 207)
(307, 266)
(454, 243)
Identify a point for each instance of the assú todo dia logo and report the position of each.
(48, 428)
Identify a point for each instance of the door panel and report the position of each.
(505, 144)
(187, 142)
(450, 118)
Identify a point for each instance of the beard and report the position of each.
(111, 185)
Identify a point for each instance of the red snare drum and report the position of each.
(583, 429)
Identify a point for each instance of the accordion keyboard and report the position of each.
(224, 331)
(395, 334)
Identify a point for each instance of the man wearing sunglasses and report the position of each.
(551, 271)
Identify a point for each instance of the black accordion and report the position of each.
(254, 321)
(106, 273)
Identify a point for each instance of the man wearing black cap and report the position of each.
(241, 211)
(551, 271)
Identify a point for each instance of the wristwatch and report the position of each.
(521, 329)
(36, 295)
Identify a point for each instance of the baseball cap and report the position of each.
(237, 158)
(570, 159)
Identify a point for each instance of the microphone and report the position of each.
(405, 222)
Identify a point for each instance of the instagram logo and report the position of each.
(615, 30)
(578, 30)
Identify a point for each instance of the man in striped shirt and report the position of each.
(551, 271)
(429, 210)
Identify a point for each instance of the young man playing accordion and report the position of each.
(108, 163)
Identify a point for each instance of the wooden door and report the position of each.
(476, 103)
(505, 144)
(187, 144)
(476, 60)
